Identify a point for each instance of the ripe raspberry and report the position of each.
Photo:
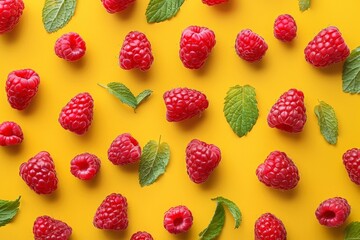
(269, 227)
(124, 150)
(112, 213)
(77, 115)
(178, 219)
(285, 28)
(250, 46)
(141, 236)
(213, 2)
(333, 212)
(48, 228)
(196, 44)
(351, 160)
(278, 171)
(114, 6)
(39, 173)
(136, 52)
(201, 160)
(85, 166)
(289, 112)
(10, 134)
(327, 47)
(184, 103)
(70, 47)
(21, 87)
(10, 13)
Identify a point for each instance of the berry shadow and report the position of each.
(334, 69)
(184, 236)
(141, 75)
(208, 65)
(212, 180)
(13, 150)
(13, 35)
(130, 168)
(79, 64)
(127, 13)
(33, 106)
(113, 234)
(93, 183)
(189, 124)
(290, 136)
(225, 7)
(287, 195)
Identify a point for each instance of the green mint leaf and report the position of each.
(351, 72)
(327, 121)
(352, 231)
(216, 224)
(304, 5)
(8, 210)
(240, 109)
(142, 96)
(233, 209)
(57, 13)
(154, 159)
(161, 10)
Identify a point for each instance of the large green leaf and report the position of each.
(8, 210)
(327, 121)
(351, 72)
(57, 13)
(161, 10)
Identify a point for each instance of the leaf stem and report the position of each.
(102, 85)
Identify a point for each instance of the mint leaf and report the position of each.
(161, 10)
(240, 109)
(8, 210)
(352, 231)
(216, 225)
(142, 96)
(233, 209)
(154, 159)
(304, 5)
(327, 121)
(57, 13)
(351, 72)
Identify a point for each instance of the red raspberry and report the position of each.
(178, 219)
(77, 115)
(85, 166)
(278, 171)
(196, 44)
(333, 212)
(269, 227)
(10, 13)
(250, 46)
(70, 47)
(114, 6)
(184, 103)
(10, 134)
(213, 2)
(141, 236)
(351, 160)
(289, 112)
(285, 28)
(124, 150)
(136, 52)
(21, 87)
(201, 160)
(327, 47)
(39, 173)
(48, 228)
(112, 213)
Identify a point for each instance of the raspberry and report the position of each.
(112, 213)
(201, 160)
(39, 173)
(333, 212)
(10, 134)
(77, 115)
(196, 44)
(327, 47)
(70, 47)
(141, 236)
(250, 46)
(213, 2)
(289, 112)
(178, 219)
(184, 103)
(136, 52)
(114, 6)
(48, 228)
(351, 160)
(285, 28)
(269, 227)
(278, 171)
(85, 166)
(21, 87)
(10, 13)
(124, 150)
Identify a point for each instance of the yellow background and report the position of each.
(321, 169)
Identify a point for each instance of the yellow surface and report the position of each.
(322, 172)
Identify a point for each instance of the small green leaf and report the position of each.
(57, 13)
(351, 72)
(8, 210)
(142, 96)
(240, 109)
(216, 225)
(327, 121)
(352, 231)
(161, 10)
(304, 5)
(154, 159)
(233, 209)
